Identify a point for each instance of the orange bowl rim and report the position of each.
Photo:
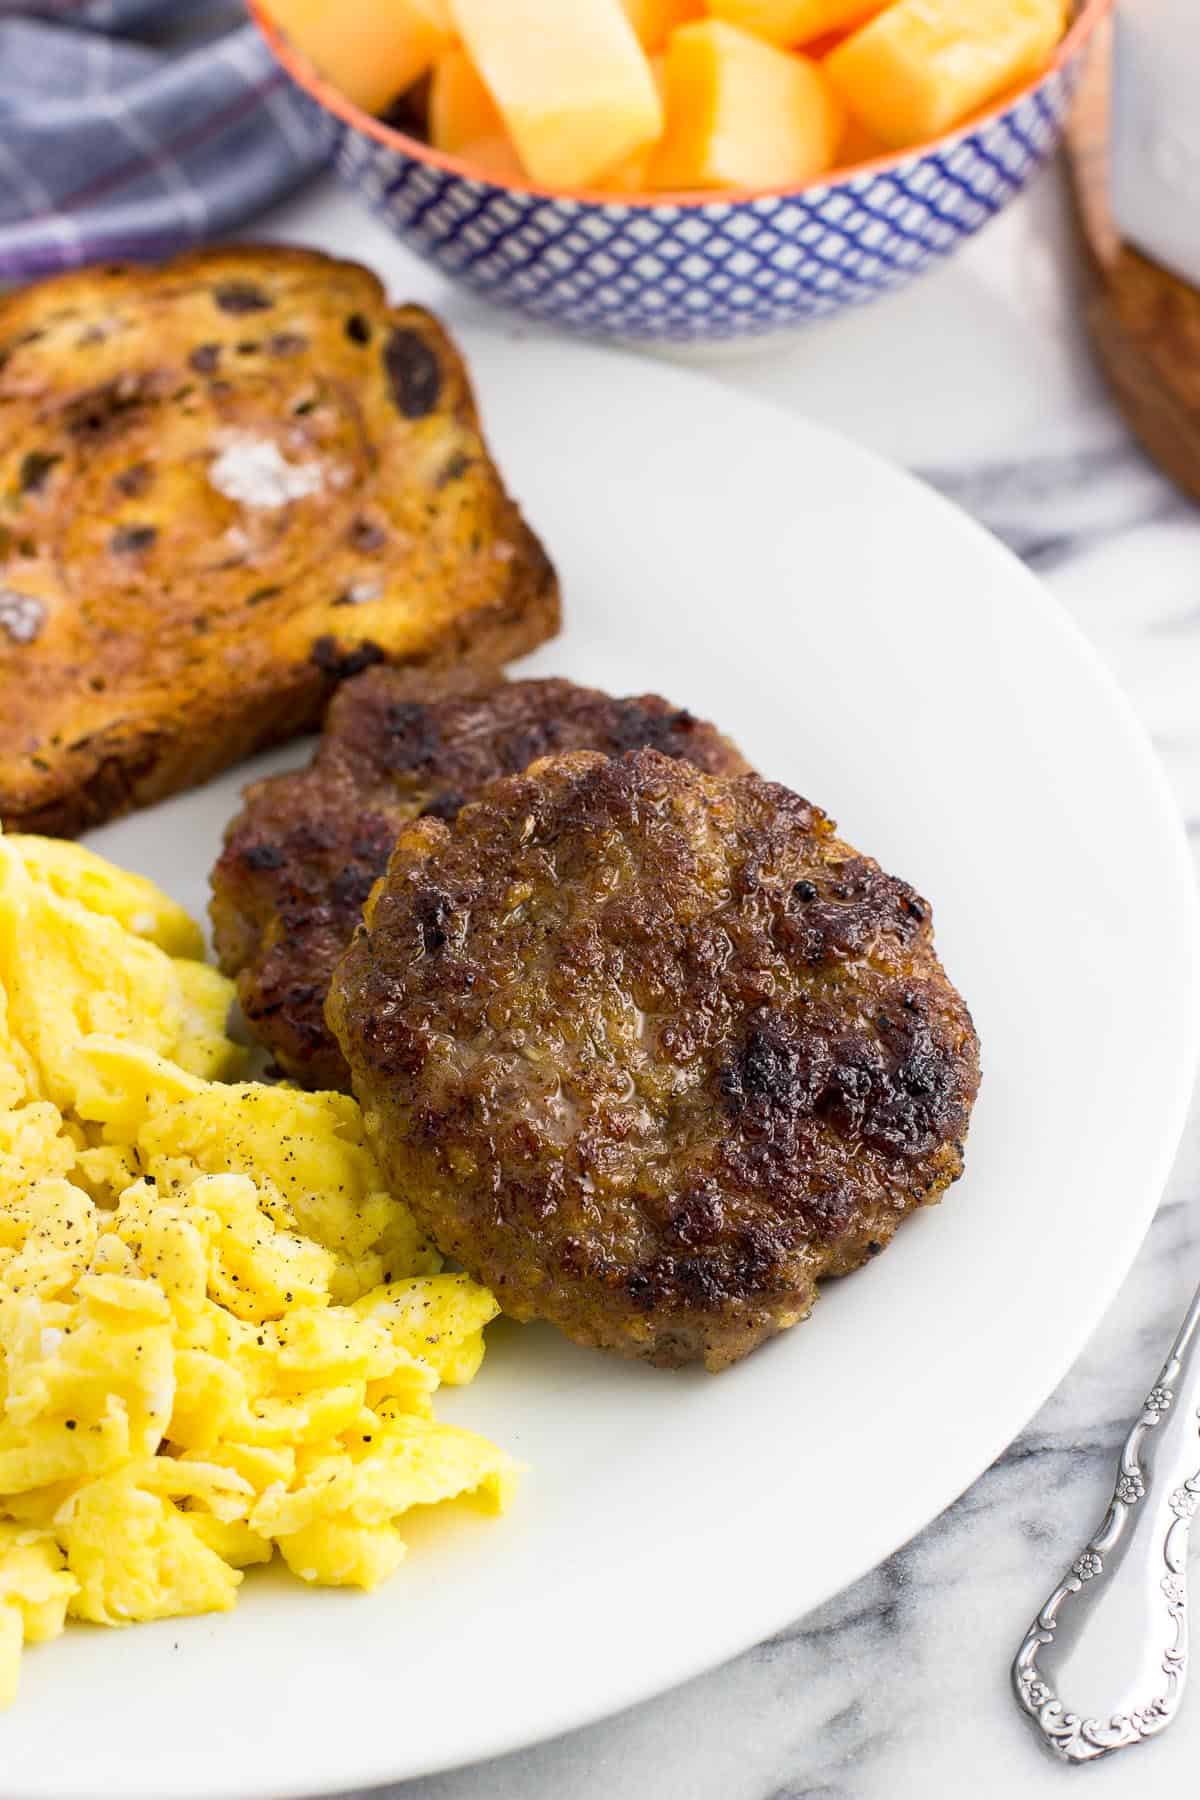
(302, 72)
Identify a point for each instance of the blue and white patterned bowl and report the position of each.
(683, 268)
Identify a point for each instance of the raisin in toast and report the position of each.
(229, 483)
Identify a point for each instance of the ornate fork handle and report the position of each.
(1123, 1604)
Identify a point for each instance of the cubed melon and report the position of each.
(793, 21)
(857, 145)
(743, 114)
(923, 65)
(495, 157)
(465, 121)
(632, 174)
(572, 82)
(461, 111)
(370, 52)
(655, 20)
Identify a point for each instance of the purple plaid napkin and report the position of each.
(131, 128)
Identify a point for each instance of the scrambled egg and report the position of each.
(219, 1334)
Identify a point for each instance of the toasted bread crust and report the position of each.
(232, 482)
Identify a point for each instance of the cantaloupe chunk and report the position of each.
(570, 78)
(494, 157)
(743, 114)
(923, 65)
(632, 174)
(655, 20)
(793, 21)
(369, 51)
(858, 145)
(465, 121)
(461, 111)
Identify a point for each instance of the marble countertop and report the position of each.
(979, 378)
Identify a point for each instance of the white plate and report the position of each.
(869, 645)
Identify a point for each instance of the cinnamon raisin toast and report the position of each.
(227, 484)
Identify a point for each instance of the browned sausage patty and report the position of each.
(303, 854)
(651, 1052)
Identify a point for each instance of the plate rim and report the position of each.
(906, 1517)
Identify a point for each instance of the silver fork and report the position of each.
(1112, 1639)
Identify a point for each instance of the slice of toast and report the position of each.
(227, 484)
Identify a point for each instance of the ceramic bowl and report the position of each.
(693, 267)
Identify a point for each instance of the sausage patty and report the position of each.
(307, 847)
(651, 1051)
